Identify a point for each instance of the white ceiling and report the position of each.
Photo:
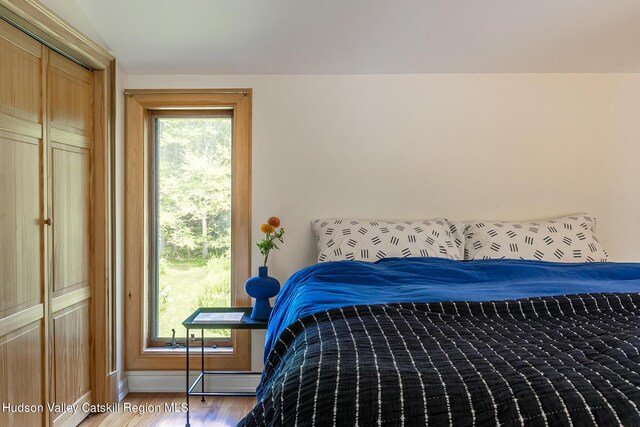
(363, 36)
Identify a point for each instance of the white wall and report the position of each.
(621, 210)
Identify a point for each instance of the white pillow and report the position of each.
(568, 239)
(371, 240)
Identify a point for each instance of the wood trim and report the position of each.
(61, 63)
(20, 39)
(71, 419)
(70, 148)
(241, 198)
(220, 112)
(137, 92)
(46, 264)
(22, 318)
(103, 302)
(111, 211)
(157, 360)
(134, 260)
(44, 24)
(138, 106)
(19, 138)
(68, 138)
(20, 126)
(69, 299)
(154, 101)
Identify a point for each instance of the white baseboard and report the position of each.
(175, 381)
(123, 388)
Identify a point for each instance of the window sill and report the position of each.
(192, 349)
(228, 358)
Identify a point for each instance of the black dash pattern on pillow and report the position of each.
(567, 239)
(372, 240)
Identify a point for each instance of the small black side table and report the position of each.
(245, 323)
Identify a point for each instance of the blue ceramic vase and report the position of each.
(262, 287)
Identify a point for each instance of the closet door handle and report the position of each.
(48, 221)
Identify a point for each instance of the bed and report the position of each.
(431, 341)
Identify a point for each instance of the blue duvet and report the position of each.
(336, 284)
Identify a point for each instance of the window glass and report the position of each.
(192, 220)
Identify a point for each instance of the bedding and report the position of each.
(323, 286)
(371, 240)
(560, 361)
(568, 239)
(526, 343)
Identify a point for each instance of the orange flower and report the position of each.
(268, 243)
(274, 221)
(266, 228)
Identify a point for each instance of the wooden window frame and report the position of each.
(139, 107)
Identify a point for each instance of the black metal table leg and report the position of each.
(187, 388)
(190, 323)
(203, 376)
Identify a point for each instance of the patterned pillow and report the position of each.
(346, 239)
(568, 239)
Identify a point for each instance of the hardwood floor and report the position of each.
(164, 410)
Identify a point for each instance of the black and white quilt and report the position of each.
(548, 361)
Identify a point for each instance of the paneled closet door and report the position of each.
(69, 134)
(21, 291)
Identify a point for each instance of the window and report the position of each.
(187, 220)
(190, 219)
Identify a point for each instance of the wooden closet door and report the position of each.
(69, 130)
(21, 290)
